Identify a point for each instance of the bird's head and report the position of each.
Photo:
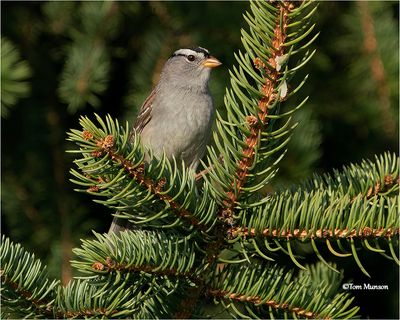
(191, 66)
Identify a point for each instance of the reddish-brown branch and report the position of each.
(257, 122)
(43, 305)
(367, 232)
(45, 308)
(284, 307)
(318, 234)
(187, 304)
(106, 146)
(111, 266)
(89, 313)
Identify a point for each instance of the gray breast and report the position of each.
(180, 125)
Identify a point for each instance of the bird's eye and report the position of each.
(190, 57)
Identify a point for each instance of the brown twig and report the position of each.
(212, 251)
(110, 265)
(207, 170)
(304, 234)
(366, 232)
(258, 300)
(43, 305)
(257, 124)
(106, 146)
(89, 313)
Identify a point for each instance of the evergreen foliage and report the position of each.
(26, 290)
(14, 76)
(219, 239)
(86, 70)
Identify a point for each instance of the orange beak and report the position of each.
(211, 62)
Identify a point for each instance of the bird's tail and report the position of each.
(119, 224)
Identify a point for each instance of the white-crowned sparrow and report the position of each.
(177, 116)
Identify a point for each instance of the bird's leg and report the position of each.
(202, 173)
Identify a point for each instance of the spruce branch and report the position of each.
(81, 299)
(26, 290)
(256, 124)
(255, 291)
(247, 140)
(332, 208)
(14, 75)
(367, 179)
(122, 297)
(113, 166)
(139, 252)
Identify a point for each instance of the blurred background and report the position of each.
(61, 60)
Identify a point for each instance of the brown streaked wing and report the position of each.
(145, 113)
